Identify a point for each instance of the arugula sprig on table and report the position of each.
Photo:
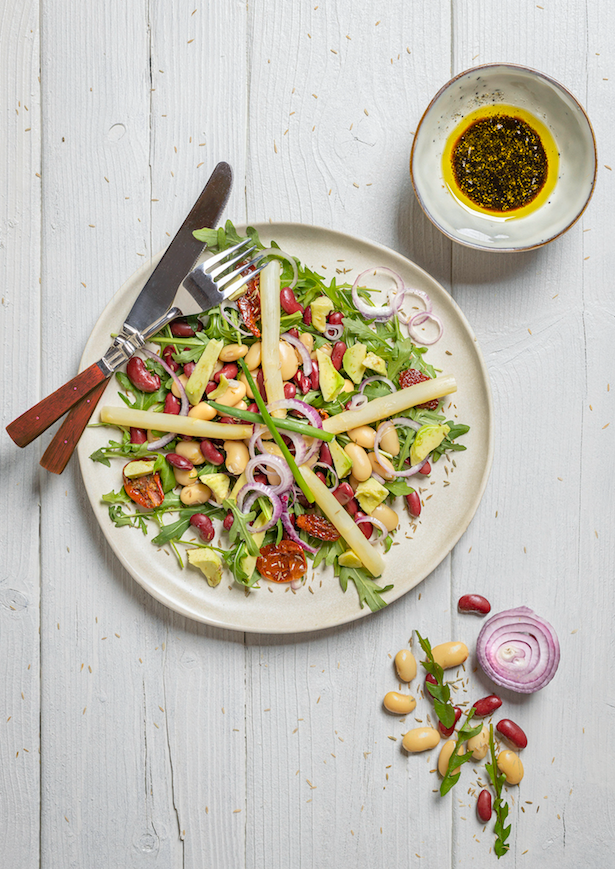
(500, 806)
(440, 692)
(453, 772)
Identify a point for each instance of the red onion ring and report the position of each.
(379, 525)
(380, 431)
(303, 452)
(424, 316)
(518, 650)
(276, 464)
(236, 328)
(426, 301)
(303, 351)
(386, 312)
(334, 332)
(386, 380)
(357, 401)
(287, 523)
(183, 408)
(276, 252)
(245, 501)
(331, 470)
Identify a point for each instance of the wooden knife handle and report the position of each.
(56, 456)
(35, 421)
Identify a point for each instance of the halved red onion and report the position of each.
(379, 525)
(383, 428)
(276, 252)
(518, 650)
(385, 312)
(374, 377)
(419, 318)
(256, 490)
(183, 408)
(426, 301)
(274, 463)
(303, 351)
(334, 332)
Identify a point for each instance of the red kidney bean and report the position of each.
(343, 493)
(432, 681)
(171, 404)
(486, 705)
(307, 316)
(261, 478)
(366, 527)
(335, 318)
(425, 470)
(447, 731)
(321, 477)
(483, 806)
(210, 387)
(253, 408)
(138, 435)
(229, 420)
(180, 462)
(140, 377)
(314, 376)
(473, 603)
(294, 332)
(189, 368)
(512, 732)
(352, 506)
(180, 328)
(325, 455)
(230, 371)
(305, 383)
(414, 503)
(289, 303)
(204, 526)
(337, 354)
(212, 455)
(290, 390)
(167, 355)
(228, 521)
(260, 382)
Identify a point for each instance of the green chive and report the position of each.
(309, 431)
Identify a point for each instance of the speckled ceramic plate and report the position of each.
(445, 516)
(543, 98)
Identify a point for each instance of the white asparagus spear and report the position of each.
(270, 347)
(185, 425)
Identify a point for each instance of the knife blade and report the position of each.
(152, 305)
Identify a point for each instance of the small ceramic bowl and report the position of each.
(537, 96)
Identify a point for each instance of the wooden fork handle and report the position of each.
(56, 456)
(35, 421)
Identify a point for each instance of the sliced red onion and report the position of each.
(334, 332)
(274, 463)
(183, 408)
(303, 351)
(518, 650)
(275, 251)
(255, 439)
(301, 407)
(379, 525)
(378, 478)
(357, 401)
(245, 501)
(426, 301)
(386, 312)
(287, 522)
(331, 470)
(383, 428)
(419, 318)
(236, 328)
(386, 380)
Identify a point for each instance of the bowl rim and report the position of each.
(539, 74)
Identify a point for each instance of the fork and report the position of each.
(208, 284)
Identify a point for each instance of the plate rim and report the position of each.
(269, 228)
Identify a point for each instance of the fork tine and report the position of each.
(238, 284)
(226, 278)
(223, 254)
(213, 273)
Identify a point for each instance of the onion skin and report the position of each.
(518, 650)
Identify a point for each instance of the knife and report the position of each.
(148, 315)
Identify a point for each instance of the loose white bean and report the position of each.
(405, 664)
(399, 704)
(232, 352)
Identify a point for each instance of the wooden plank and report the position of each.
(20, 201)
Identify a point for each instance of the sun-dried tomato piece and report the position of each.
(323, 413)
(411, 376)
(250, 306)
(282, 562)
(146, 490)
(317, 526)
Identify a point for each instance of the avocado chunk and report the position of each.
(376, 363)
(220, 389)
(349, 559)
(370, 493)
(353, 362)
(200, 377)
(321, 307)
(428, 437)
(341, 461)
(331, 381)
(208, 562)
(138, 468)
(218, 483)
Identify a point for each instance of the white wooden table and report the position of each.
(132, 737)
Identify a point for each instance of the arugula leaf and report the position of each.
(399, 487)
(456, 760)
(369, 591)
(500, 806)
(120, 518)
(441, 692)
(115, 449)
(239, 528)
(120, 497)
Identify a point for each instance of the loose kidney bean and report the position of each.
(325, 454)
(447, 731)
(414, 503)
(307, 316)
(140, 377)
(432, 681)
(228, 521)
(512, 732)
(483, 806)
(337, 355)
(180, 328)
(171, 404)
(138, 435)
(204, 526)
(290, 390)
(230, 371)
(212, 455)
(321, 477)
(189, 368)
(335, 318)
(167, 355)
(314, 376)
(486, 705)
(366, 527)
(473, 603)
(426, 469)
(289, 303)
(344, 493)
(181, 462)
(352, 506)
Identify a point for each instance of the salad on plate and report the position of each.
(285, 428)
